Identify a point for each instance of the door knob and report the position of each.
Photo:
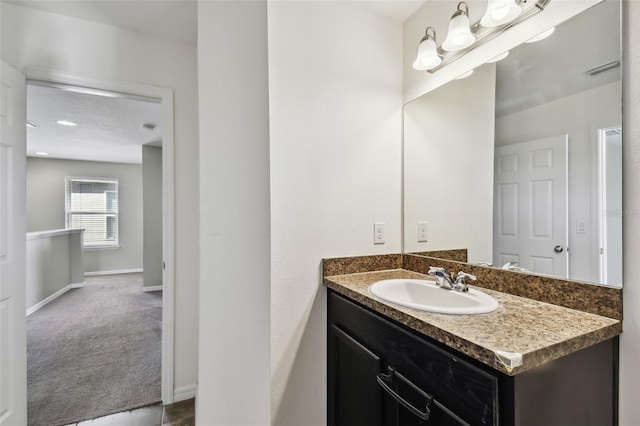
(558, 249)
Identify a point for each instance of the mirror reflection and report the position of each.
(520, 163)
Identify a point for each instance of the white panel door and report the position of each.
(13, 346)
(530, 205)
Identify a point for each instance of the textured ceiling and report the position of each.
(108, 128)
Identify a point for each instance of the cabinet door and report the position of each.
(354, 396)
(460, 393)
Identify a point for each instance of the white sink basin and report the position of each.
(427, 296)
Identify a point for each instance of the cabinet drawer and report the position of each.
(464, 389)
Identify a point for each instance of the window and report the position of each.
(92, 204)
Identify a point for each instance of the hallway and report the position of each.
(94, 351)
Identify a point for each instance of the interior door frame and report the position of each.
(602, 234)
(165, 95)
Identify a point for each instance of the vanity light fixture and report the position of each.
(500, 16)
(427, 57)
(498, 58)
(459, 35)
(542, 35)
(500, 12)
(66, 123)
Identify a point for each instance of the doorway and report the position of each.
(165, 98)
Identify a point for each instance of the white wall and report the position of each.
(335, 74)
(53, 263)
(448, 166)
(233, 384)
(152, 213)
(580, 116)
(630, 339)
(69, 46)
(46, 210)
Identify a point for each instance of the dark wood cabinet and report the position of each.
(382, 373)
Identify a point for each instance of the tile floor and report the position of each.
(179, 414)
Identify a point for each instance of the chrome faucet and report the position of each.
(446, 281)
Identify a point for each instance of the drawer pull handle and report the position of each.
(424, 415)
(384, 378)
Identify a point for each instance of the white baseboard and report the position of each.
(120, 271)
(152, 288)
(48, 299)
(184, 392)
(78, 285)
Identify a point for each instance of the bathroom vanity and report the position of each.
(528, 363)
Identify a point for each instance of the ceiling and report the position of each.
(398, 10)
(174, 19)
(553, 68)
(109, 126)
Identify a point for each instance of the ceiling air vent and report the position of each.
(602, 68)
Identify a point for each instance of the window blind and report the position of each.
(92, 205)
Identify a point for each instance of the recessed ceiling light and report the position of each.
(542, 35)
(66, 123)
(44, 154)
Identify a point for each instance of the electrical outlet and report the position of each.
(378, 232)
(422, 232)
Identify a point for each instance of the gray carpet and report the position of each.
(94, 351)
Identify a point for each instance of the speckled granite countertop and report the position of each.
(539, 332)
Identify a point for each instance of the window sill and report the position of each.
(95, 248)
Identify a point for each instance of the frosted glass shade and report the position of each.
(427, 57)
(500, 12)
(459, 35)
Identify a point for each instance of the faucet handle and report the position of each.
(433, 270)
(461, 281)
(463, 277)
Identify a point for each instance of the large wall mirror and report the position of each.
(520, 162)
